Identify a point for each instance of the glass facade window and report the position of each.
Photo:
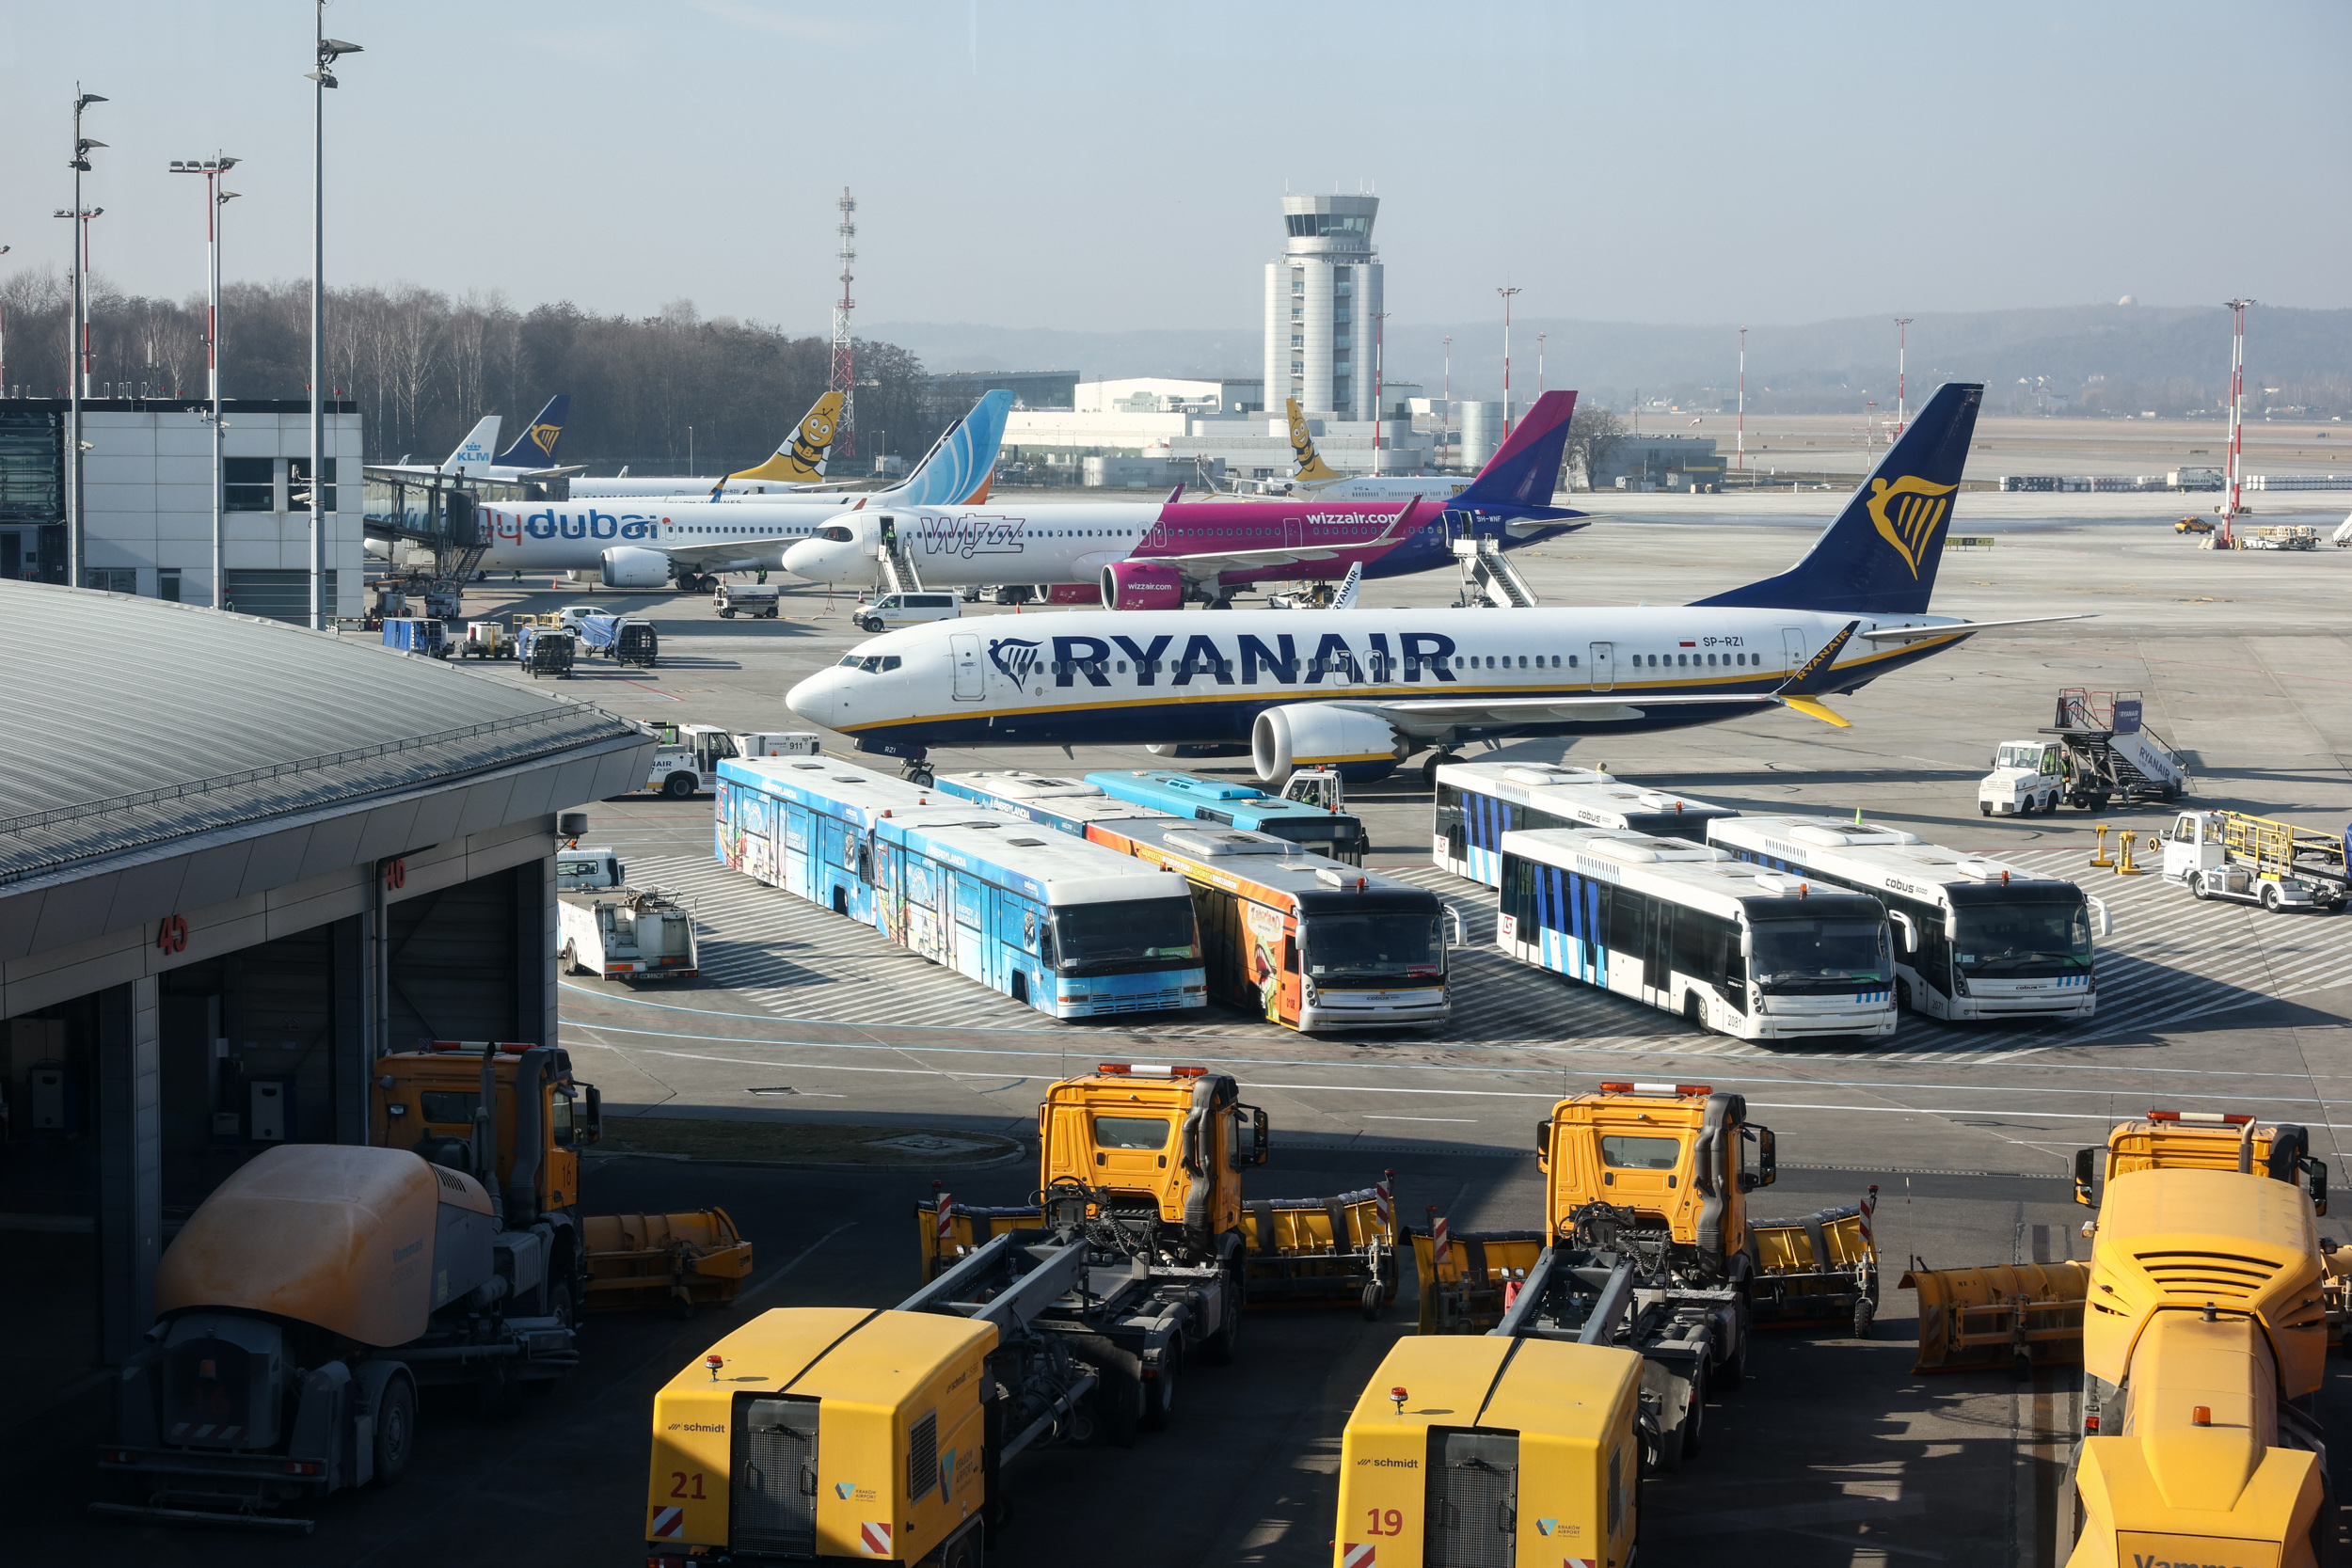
(167, 584)
(250, 483)
(1319, 226)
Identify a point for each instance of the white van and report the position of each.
(906, 610)
(746, 598)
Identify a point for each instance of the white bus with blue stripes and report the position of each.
(1064, 925)
(1728, 946)
(1974, 938)
(1480, 802)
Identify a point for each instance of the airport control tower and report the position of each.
(1320, 300)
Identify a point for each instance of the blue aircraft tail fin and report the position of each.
(536, 447)
(1519, 479)
(961, 464)
(1879, 557)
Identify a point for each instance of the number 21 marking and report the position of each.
(683, 1480)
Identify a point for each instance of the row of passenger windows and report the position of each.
(1683, 660)
(1335, 662)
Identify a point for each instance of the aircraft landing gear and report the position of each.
(1429, 769)
(916, 770)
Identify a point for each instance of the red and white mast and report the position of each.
(2234, 509)
(844, 358)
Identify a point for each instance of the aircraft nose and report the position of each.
(813, 697)
(816, 559)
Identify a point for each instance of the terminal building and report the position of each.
(147, 501)
(253, 858)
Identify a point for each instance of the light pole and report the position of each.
(1742, 438)
(1539, 363)
(2226, 539)
(1506, 293)
(1902, 343)
(330, 51)
(1379, 338)
(76, 382)
(214, 198)
(4, 338)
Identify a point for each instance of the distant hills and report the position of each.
(2097, 358)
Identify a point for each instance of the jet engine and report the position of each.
(1142, 586)
(634, 566)
(1362, 747)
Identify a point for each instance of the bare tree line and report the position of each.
(424, 367)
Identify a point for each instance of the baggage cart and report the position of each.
(546, 651)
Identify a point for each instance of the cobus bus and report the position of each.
(1232, 804)
(1480, 802)
(1685, 928)
(1071, 928)
(1974, 938)
(1299, 938)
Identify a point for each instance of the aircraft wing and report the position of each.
(1208, 567)
(1956, 628)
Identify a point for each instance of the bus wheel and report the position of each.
(1695, 1011)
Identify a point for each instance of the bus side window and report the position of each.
(1290, 954)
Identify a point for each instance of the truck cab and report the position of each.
(426, 1100)
(2028, 776)
(1168, 1141)
(690, 764)
(1678, 1155)
(581, 869)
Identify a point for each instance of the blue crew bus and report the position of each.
(1480, 802)
(1069, 928)
(1064, 804)
(1333, 834)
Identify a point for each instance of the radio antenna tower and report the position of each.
(844, 366)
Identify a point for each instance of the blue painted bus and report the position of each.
(1480, 802)
(1064, 804)
(1069, 928)
(1333, 834)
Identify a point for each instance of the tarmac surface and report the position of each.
(1834, 1453)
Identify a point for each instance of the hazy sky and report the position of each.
(1118, 165)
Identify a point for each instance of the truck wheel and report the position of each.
(2197, 887)
(1692, 1433)
(1118, 1388)
(395, 1431)
(1864, 1315)
(568, 961)
(2270, 897)
(1219, 1346)
(1374, 1299)
(678, 787)
(1665, 1453)
(964, 1551)
(1159, 1393)
(1984, 808)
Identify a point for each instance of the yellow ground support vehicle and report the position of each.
(845, 1433)
(2204, 1342)
(681, 1261)
(1492, 1450)
(2255, 859)
(1647, 1243)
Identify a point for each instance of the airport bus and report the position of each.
(1069, 928)
(1480, 802)
(1974, 938)
(1232, 804)
(1301, 940)
(1685, 928)
(1064, 804)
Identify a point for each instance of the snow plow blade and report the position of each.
(638, 1262)
(2006, 1315)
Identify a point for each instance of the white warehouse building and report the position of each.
(147, 501)
(1323, 298)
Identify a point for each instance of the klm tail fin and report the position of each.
(1879, 557)
(801, 458)
(473, 452)
(1519, 479)
(536, 447)
(1312, 468)
(961, 464)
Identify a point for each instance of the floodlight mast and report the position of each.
(2226, 538)
(78, 381)
(330, 51)
(214, 198)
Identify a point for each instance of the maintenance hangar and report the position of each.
(239, 860)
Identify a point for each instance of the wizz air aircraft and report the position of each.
(1362, 689)
(532, 456)
(651, 543)
(1314, 477)
(798, 463)
(1161, 555)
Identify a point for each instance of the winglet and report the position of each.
(1401, 526)
(1174, 495)
(1803, 690)
(1312, 468)
(1345, 597)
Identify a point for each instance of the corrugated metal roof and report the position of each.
(130, 722)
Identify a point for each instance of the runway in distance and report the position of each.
(532, 456)
(798, 464)
(1362, 689)
(653, 542)
(1161, 555)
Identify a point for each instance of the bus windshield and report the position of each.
(1374, 946)
(1818, 954)
(1337, 836)
(2021, 941)
(1121, 938)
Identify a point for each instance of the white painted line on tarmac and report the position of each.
(1458, 1121)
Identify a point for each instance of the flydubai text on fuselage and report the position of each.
(1361, 690)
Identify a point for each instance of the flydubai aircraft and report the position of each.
(649, 544)
(1362, 689)
(1160, 556)
(1314, 477)
(532, 456)
(798, 464)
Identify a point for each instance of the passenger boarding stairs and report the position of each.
(2103, 732)
(1488, 576)
(899, 575)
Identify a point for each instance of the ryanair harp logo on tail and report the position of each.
(1907, 513)
(544, 436)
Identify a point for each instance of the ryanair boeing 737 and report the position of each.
(1362, 689)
